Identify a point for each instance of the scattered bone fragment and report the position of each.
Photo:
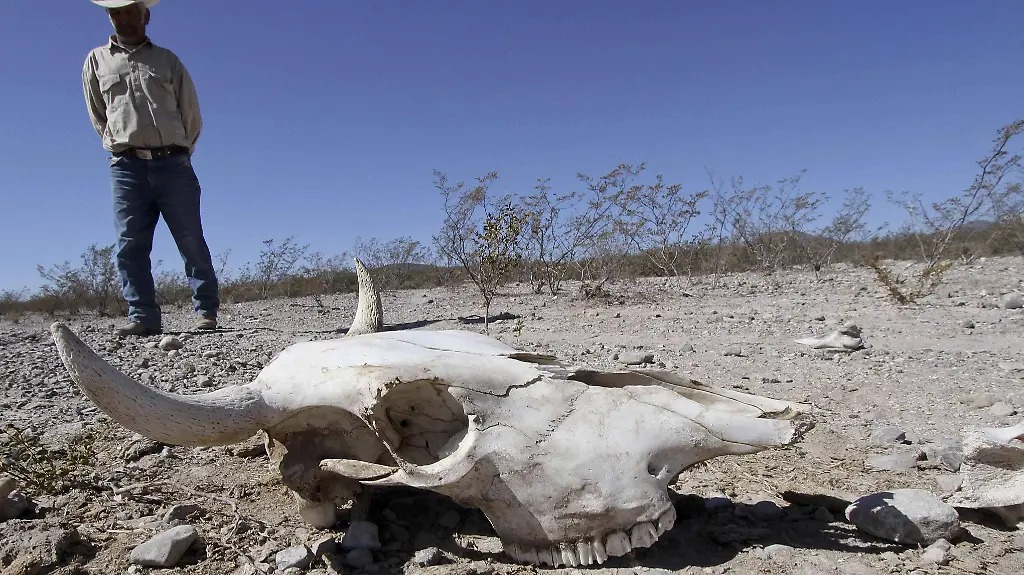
(846, 338)
(993, 473)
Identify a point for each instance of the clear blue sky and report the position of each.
(324, 120)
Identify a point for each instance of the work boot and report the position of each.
(135, 328)
(206, 323)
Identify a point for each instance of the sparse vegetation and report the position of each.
(46, 469)
(610, 227)
(92, 285)
(483, 237)
(395, 262)
(943, 230)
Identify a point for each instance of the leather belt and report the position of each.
(153, 153)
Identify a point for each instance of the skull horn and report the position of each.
(221, 417)
(370, 312)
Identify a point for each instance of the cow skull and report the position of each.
(571, 466)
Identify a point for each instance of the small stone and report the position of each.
(967, 324)
(325, 545)
(13, 506)
(937, 553)
(949, 483)
(8, 485)
(165, 549)
(823, 515)
(182, 513)
(948, 455)
(887, 435)
(1002, 409)
(212, 353)
(170, 343)
(636, 358)
(428, 557)
(777, 551)
(1013, 301)
(296, 556)
(733, 351)
(901, 460)
(359, 558)
(361, 535)
(980, 401)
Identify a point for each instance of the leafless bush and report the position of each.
(394, 262)
(939, 227)
(93, 285)
(482, 236)
(12, 303)
(766, 220)
(276, 264)
(655, 220)
(604, 249)
(819, 246)
(325, 274)
(170, 286)
(1008, 218)
(562, 229)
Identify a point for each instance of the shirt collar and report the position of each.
(113, 44)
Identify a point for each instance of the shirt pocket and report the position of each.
(114, 88)
(160, 90)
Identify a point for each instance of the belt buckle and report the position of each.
(144, 154)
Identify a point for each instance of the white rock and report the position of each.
(361, 535)
(295, 556)
(170, 343)
(908, 516)
(165, 549)
(1013, 301)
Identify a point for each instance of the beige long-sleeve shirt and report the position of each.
(140, 98)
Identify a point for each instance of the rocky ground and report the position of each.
(886, 416)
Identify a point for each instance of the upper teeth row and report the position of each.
(597, 550)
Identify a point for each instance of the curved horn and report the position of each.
(369, 313)
(221, 417)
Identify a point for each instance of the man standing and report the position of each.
(144, 107)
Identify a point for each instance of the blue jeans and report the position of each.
(143, 191)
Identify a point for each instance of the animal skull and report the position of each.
(570, 465)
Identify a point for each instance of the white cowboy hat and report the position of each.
(123, 3)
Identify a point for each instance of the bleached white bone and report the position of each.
(993, 472)
(369, 316)
(846, 338)
(571, 465)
